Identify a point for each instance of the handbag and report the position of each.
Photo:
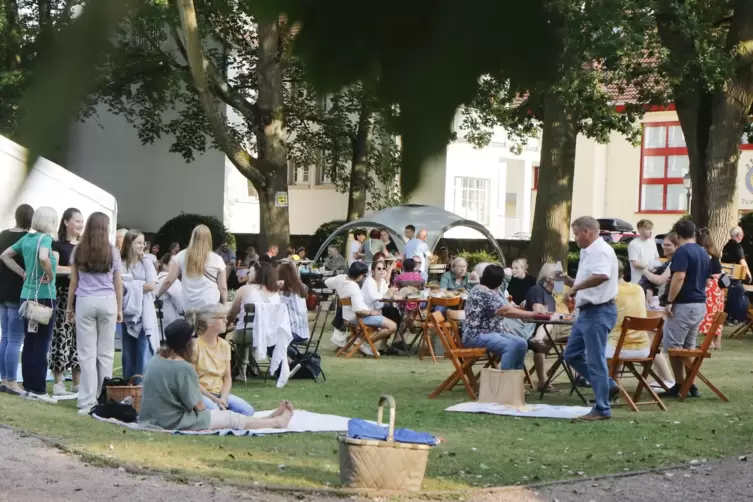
(502, 387)
(32, 310)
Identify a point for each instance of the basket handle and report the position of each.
(134, 377)
(390, 401)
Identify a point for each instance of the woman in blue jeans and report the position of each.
(11, 323)
(40, 263)
(484, 325)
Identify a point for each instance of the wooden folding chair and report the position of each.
(462, 359)
(616, 362)
(426, 326)
(359, 334)
(693, 358)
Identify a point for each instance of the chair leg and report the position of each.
(692, 368)
(351, 340)
(712, 387)
(643, 383)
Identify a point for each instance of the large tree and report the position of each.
(347, 135)
(709, 59)
(605, 44)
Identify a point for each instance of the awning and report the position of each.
(436, 221)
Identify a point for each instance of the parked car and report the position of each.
(616, 230)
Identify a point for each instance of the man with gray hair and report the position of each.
(733, 251)
(595, 287)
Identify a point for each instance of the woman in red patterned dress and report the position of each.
(714, 294)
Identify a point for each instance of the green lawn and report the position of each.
(480, 450)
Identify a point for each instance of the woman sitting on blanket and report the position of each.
(172, 396)
(211, 357)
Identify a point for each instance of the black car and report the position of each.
(616, 230)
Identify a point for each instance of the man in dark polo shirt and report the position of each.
(686, 300)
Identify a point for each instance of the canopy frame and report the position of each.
(414, 214)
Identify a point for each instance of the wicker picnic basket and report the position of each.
(118, 393)
(383, 465)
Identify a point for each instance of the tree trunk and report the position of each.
(360, 165)
(551, 222)
(712, 123)
(270, 139)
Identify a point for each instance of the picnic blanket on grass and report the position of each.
(526, 411)
(302, 421)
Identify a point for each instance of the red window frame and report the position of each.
(535, 178)
(665, 152)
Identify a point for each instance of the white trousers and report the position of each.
(95, 340)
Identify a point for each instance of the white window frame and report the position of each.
(470, 192)
(299, 176)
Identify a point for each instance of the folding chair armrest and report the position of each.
(687, 353)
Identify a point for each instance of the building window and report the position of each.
(535, 178)
(298, 175)
(664, 162)
(472, 199)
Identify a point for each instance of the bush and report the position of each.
(179, 230)
(323, 232)
(620, 249)
(475, 257)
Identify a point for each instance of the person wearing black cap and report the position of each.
(172, 397)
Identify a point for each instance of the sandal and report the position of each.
(551, 389)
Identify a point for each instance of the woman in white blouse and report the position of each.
(374, 289)
(201, 270)
(172, 299)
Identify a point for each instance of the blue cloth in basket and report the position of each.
(361, 429)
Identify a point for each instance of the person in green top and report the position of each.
(40, 263)
(171, 397)
(457, 277)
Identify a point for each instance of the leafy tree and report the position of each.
(709, 60)
(605, 44)
(348, 136)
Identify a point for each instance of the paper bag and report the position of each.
(502, 387)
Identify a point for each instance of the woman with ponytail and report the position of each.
(211, 358)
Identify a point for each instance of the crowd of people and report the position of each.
(66, 290)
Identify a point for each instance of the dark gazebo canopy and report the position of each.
(435, 220)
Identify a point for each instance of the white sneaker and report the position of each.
(366, 349)
(74, 389)
(84, 411)
(45, 398)
(59, 390)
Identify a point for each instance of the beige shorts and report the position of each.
(225, 419)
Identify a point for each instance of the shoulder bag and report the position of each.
(32, 309)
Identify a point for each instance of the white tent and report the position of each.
(435, 220)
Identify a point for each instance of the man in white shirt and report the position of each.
(594, 288)
(642, 251)
(354, 248)
(418, 248)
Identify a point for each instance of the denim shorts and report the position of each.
(375, 321)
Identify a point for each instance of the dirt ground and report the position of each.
(32, 471)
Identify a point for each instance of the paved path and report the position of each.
(32, 471)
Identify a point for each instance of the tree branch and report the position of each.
(223, 90)
(240, 158)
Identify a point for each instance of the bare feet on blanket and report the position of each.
(280, 409)
(284, 418)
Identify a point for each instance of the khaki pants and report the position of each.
(95, 339)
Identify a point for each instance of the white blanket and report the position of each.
(302, 421)
(526, 411)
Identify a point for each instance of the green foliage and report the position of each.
(346, 42)
(179, 230)
(608, 31)
(475, 257)
(573, 257)
(341, 124)
(324, 231)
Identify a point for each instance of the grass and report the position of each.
(480, 450)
